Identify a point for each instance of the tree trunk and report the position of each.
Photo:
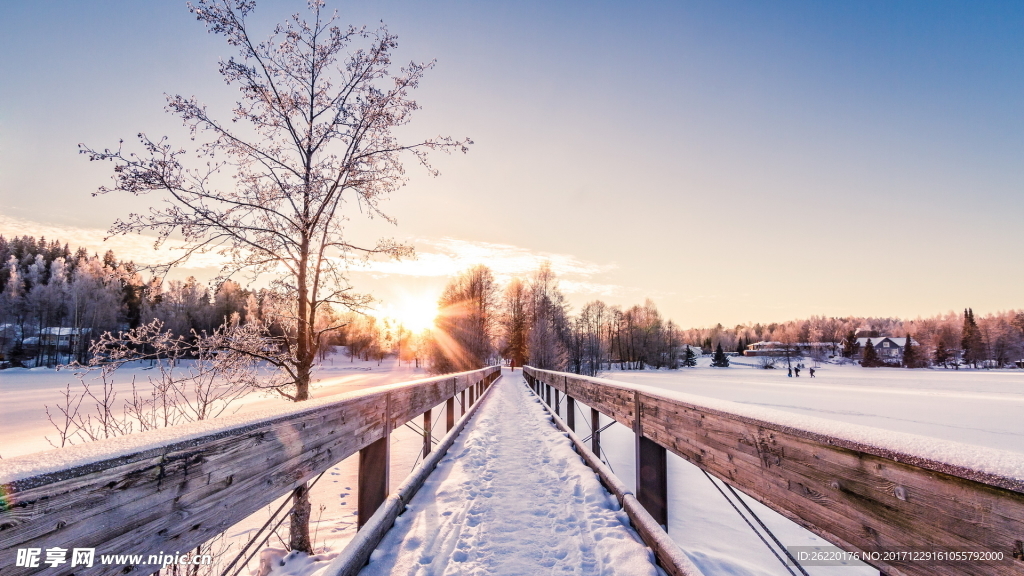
(298, 538)
(306, 353)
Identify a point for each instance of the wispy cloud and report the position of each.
(448, 256)
(441, 258)
(138, 249)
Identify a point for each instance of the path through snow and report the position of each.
(512, 497)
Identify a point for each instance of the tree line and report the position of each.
(948, 340)
(48, 291)
(528, 321)
(45, 287)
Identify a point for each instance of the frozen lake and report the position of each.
(984, 407)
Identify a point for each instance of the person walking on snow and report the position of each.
(812, 372)
(797, 370)
(790, 373)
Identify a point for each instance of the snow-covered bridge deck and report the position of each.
(512, 497)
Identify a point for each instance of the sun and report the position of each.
(414, 312)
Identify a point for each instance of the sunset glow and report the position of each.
(414, 312)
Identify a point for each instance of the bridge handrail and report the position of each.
(174, 488)
(861, 496)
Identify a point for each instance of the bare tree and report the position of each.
(548, 319)
(465, 330)
(514, 320)
(591, 322)
(219, 372)
(828, 330)
(311, 138)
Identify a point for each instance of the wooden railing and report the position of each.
(862, 498)
(175, 496)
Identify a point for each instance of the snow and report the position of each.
(512, 497)
(23, 425)
(26, 391)
(976, 408)
(957, 458)
(873, 409)
(281, 562)
(136, 446)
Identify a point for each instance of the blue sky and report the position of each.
(735, 161)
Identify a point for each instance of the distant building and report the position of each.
(765, 348)
(697, 350)
(64, 338)
(887, 347)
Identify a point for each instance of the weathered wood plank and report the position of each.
(178, 495)
(188, 473)
(613, 401)
(860, 498)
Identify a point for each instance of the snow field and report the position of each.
(512, 497)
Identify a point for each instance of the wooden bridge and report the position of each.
(176, 492)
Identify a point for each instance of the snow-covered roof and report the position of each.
(901, 342)
(775, 344)
(64, 330)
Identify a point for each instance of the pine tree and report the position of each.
(910, 359)
(691, 358)
(850, 345)
(970, 340)
(740, 346)
(965, 334)
(941, 353)
(720, 360)
(870, 356)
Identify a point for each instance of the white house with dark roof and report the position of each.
(887, 347)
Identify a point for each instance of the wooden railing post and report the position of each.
(595, 427)
(374, 468)
(549, 393)
(570, 412)
(450, 414)
(426, 434)
(462, 401)
(557, 401)
(651, 470)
